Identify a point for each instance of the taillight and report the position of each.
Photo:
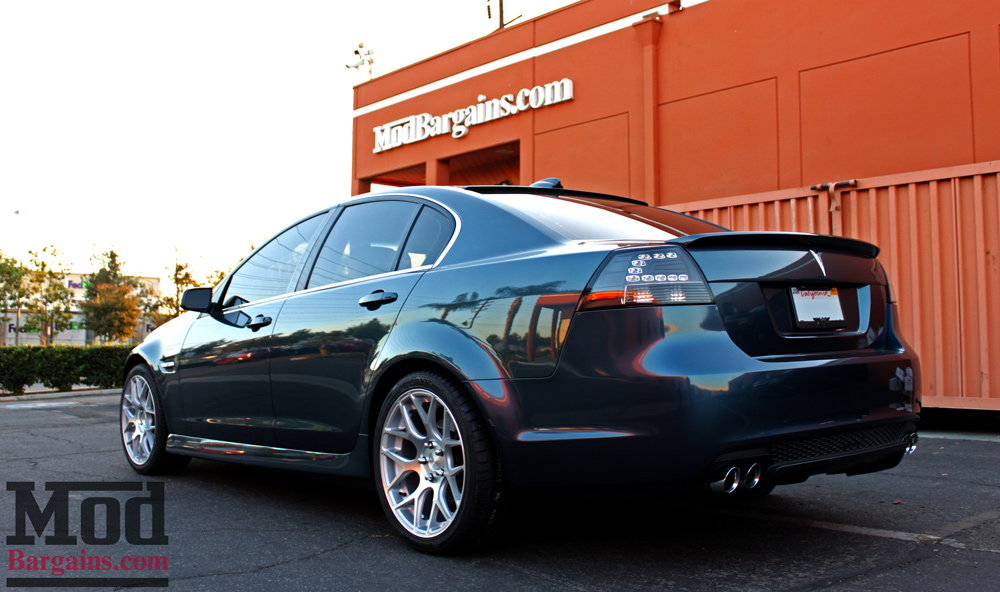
(647, 276)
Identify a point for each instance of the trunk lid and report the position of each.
(784, 294)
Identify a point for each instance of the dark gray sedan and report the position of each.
(454, 344)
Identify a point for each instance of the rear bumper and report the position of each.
(661, 394)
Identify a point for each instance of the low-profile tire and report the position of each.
(144, 426)
(438, 476)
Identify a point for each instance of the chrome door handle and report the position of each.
(258, 322)
(377, 299)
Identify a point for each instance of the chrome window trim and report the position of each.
(358, 280)
(297, 273)
(427, 267)
(367, 199)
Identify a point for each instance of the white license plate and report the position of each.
(817, 308)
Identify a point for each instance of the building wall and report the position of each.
(76, 334)
(723, 98)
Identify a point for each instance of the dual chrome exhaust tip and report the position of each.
(732, 478)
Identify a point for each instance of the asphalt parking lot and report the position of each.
(933, 523)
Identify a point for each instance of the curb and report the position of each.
(59, 395)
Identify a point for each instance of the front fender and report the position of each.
(158, 352)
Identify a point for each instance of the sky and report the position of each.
(192, 129)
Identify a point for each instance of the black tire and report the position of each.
(143, 425)
(417, 466)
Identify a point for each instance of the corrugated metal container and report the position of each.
(939, 231)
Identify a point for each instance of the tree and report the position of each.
(12, 290)
(151, 305)
(112, 306)
(49, 302)
(113, 312)
(215, 278)
(182, 280)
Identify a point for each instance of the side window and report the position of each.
(364, 241)
(269, 272)
(429, 236)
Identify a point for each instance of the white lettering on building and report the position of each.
(457, 123)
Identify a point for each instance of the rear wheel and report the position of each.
(438, 475)
(144, 427)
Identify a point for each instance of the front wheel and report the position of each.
(144, 427)
(438, 475)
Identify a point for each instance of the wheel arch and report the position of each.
(140, 357)
(396, 371)
(133, 360)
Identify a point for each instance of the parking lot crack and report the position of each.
(289, 561)
(541, 575)
(51, 456)
(915, 557)
(57, 439)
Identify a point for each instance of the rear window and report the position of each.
(579, 218)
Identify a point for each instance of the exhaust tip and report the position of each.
(728, 483)
(752, 476)
(911, 442)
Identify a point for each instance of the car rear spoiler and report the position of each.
(778, 239)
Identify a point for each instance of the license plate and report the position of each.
(817, 308)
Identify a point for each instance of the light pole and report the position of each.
(17, 303)
(489, 13)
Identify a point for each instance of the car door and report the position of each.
(327, 336)
(224, 368)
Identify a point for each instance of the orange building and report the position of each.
(875, 119)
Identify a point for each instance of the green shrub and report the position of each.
(17, 368)
(104, 365)
(60, 367)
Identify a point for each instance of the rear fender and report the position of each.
(463, 354)
(431, 344)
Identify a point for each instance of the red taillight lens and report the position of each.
(647, 276)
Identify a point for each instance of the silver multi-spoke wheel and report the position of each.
(138, 419)
(422, 461)
(144, 426)
(440, 481)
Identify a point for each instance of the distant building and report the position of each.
(77, 334)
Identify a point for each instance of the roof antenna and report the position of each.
(550, 183)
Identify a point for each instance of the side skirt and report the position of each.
(351, 464)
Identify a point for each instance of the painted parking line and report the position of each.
(40, 405)
(943, 435)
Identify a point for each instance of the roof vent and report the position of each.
(550, 183)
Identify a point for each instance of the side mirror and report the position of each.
(197, 299)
